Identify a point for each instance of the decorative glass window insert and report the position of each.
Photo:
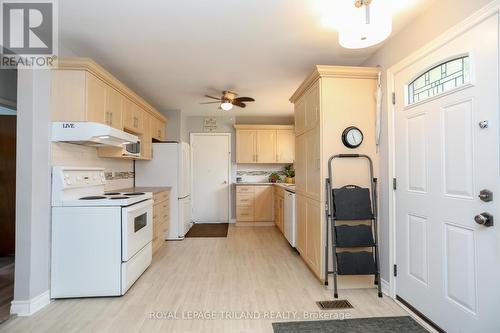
(440, 79)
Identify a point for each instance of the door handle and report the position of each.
(484, 219)
(224, 182)
(486, 195)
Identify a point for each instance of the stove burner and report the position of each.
(134, 193)
(112, 193)
(92, 198)
(118, 198)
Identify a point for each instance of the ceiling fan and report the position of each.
(229, 99)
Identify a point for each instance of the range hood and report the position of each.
(90, 134)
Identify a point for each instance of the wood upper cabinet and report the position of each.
(113, 108)
(158, 129)
(265, 144)
(84, 91)
(246, 146)
(133, 118)
(285, 146)
(313, 164)
(96, 99)
(146, 138)
(307, 109)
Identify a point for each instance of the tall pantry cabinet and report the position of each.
(331, 99)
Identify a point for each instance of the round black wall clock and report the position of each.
(352, 137)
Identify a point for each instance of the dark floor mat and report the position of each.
(208, 230)
(362, 325)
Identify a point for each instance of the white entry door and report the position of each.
(447, 152)
(211, 161)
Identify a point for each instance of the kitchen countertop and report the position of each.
(289, 187)
(153, 189)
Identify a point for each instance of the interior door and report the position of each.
(447, 152)
(211, 156)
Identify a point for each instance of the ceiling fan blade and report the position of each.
(212, 97)
(210, 102)
(245, 99)
(238, 103)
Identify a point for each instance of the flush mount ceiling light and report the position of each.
(367, 23)
(226, 105)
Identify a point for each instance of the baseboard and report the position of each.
(386, 289)
(255, 224)
(29, 307)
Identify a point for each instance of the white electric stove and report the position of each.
(101, 241)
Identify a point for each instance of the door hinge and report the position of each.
(395, 270)
(393, 98)
(394, 184)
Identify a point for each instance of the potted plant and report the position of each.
(274, 177)
(289, 172)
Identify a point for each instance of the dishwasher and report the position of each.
(289, 218)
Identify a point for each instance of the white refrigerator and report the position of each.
(170, 166)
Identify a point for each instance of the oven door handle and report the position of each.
(140, 205)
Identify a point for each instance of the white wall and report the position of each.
(33, 192)
(441, 16)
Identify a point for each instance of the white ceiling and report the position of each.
(172, 52)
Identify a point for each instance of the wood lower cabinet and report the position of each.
(263, 203)
(254, 203)
(161, 218)
(279, 207)
(309, 227)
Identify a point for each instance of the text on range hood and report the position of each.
(90, 134)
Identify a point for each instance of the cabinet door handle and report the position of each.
(111, 118)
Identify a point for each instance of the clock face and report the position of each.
(352, 137)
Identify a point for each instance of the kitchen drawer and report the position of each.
(244, 214)
(160, 196)
(244, 189)
(244, 200)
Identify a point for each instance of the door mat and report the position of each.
(208, 230)
(334, 305)
(368, 325)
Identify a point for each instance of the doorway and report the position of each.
(211, 174)
(7, 207)
(446, 155)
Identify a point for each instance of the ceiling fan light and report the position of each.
(226, 106)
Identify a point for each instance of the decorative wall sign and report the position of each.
(209, 124)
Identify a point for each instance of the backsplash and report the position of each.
(119, 173)
(258, 172)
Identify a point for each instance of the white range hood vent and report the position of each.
(90, 134)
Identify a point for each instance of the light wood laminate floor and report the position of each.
(253, 270)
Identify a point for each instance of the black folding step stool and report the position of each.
(351, 203)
